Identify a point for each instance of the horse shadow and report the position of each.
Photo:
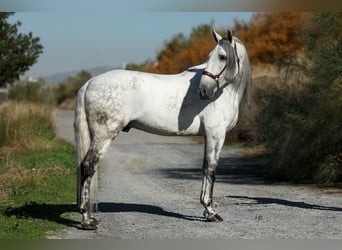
(57, 212)
(192, 104)
(188, 109)
(283, 202)
(231, 170)
(51, 212)
(243, 171)
(112, 207)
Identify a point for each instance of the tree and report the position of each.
(182, 52)
(18, 52)
(271, 37)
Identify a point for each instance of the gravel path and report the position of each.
(150, 186)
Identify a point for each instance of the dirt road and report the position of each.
(150, 186)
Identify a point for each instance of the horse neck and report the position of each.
(231, 96)
(236, 89)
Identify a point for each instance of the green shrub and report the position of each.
(68, 88)
(302, 126)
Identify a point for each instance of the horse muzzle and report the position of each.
(205, 93)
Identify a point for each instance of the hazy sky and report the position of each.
(81, 40)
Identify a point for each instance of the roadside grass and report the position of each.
(37, 173)
(37, 192)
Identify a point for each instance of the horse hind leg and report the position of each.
(97, 149)
(88, 169)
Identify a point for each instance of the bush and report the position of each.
(35, 92)
(302, 125)
(67, 90)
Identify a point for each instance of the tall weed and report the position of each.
(23, 125)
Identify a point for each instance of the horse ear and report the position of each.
(230, 35)
(216, 35)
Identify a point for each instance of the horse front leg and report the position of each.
(213, 146)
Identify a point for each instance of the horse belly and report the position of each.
(165, 126)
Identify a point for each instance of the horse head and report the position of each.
(222, 66)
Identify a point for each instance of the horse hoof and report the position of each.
(213, 217)
(94, 221)
(89, 225)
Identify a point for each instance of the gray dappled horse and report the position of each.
(202, 100)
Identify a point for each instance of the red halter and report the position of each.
(215, 77)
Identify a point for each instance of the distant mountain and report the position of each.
(59, 77)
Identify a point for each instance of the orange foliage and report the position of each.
(181, 53)
(271, 37)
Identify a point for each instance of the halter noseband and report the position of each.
(216, 77)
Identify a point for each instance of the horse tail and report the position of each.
(82, 135)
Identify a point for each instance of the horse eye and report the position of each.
(222, 57)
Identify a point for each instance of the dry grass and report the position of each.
(261, 70)
(25, 127)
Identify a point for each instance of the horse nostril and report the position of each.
(203, 92)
